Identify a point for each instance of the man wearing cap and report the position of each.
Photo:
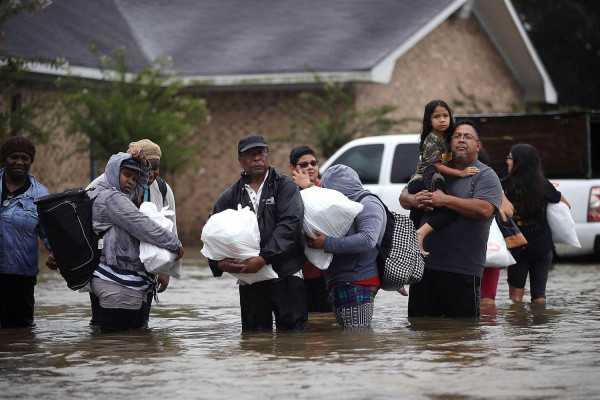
(18, 233)
(277, 203)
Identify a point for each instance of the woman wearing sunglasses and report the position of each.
(304, 168)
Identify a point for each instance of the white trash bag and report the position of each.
(156, 259)
(235, 234)
(497, 254)
(329, 212)
(562, 224)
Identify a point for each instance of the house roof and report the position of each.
(236, 42)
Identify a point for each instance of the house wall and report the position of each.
(456, 55)
(457, 63)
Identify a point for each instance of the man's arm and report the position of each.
(287, 231)
(470, 208)
(369, 224)
(419, 200)
(487, 196)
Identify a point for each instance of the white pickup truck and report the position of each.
(385, 164)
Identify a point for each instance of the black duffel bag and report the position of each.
(67, 221)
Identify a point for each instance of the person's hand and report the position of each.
(403, 291)
(438, 199)
(179, 253)
(316, 242)
(506, 209)
(469, 171)
(423, 200)
(137, 153)
(51, 262)
(301, 178)
(163, 282)
(253, 265)
(231, 265)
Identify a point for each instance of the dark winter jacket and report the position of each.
(280, 214)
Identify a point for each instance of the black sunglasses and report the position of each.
(305, 164)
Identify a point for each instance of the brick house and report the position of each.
(251, 64)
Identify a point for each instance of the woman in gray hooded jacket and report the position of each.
(352, 276)
(121, 289)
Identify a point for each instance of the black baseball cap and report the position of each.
(132, 164)
(250, 142)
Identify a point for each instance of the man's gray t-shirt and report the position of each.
(460, 247)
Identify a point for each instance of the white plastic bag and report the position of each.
(562, 224)
(497, 254)
(329, 212)
(156, 259)
(235, 234)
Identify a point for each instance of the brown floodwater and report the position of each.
(195, 349)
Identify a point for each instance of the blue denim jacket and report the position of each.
(19, 231)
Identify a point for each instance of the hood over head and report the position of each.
(110, 178)
(113, 169)
(343, 179)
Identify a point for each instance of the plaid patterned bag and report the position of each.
(400, 262)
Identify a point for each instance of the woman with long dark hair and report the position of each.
(530, 192)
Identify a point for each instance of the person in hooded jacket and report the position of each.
(161, 197)
(121, 289)
(352, 276)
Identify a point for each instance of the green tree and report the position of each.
(567, 36)
(19, 114)
(329, 116)
(124, 107)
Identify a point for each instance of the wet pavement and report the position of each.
(195, 349)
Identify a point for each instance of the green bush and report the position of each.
(124, 107)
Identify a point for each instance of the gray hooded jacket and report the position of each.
(354, 255)
(127, 226)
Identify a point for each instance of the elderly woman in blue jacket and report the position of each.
(19, 231)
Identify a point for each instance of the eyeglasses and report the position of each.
(509, 157)
(305, 164)
(465, 136)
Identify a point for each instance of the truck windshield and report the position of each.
(365, 160)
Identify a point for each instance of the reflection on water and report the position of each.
(195, 349)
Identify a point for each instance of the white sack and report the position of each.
(235, 234)
(562, 224)
(497, 254)
(156, 259)
(329, 212)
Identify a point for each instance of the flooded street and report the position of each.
(195, 349)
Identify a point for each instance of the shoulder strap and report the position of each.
(162, 186)
(362, 196)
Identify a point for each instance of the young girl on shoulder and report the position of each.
(434, 154)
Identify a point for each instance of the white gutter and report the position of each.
(216, 80)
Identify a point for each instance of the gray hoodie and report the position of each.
(355, 255)
(127, 226)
